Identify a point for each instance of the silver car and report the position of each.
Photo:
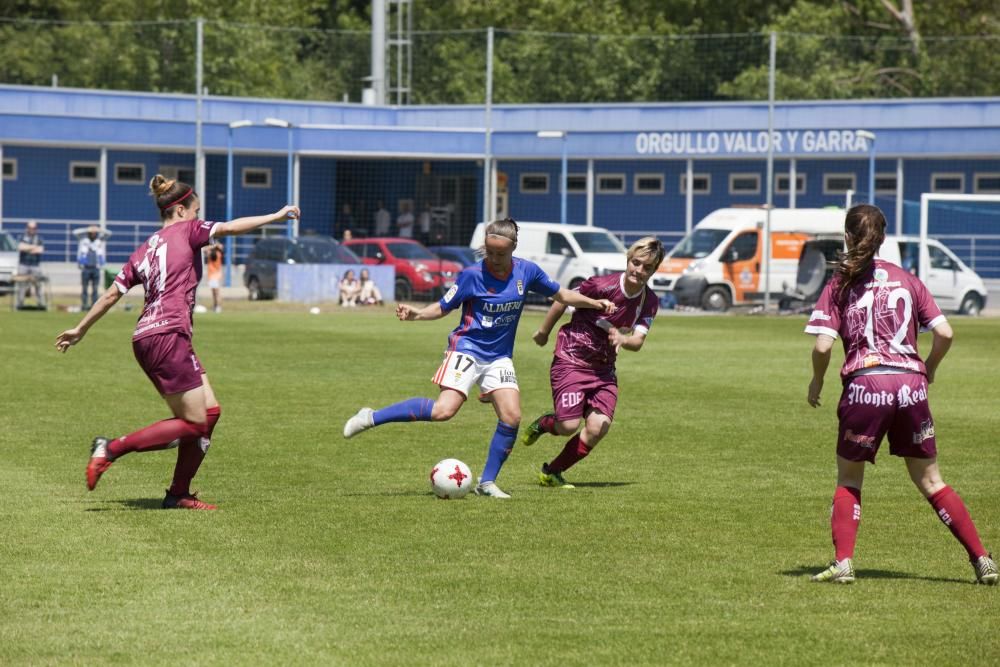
(8, 262)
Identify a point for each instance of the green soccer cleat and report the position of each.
(554, 479)
(839, 572)
(986, 570)
(534, 431)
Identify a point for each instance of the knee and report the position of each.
(567, 427)
(512, 419)
(597, 429)
(442, 413)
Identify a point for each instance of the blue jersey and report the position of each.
(491, 307)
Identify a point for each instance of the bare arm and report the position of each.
(631, 342)
(541, 336)
(96, 312)
(244, 225)
(943, 335)
(407, 313)
(821, 354)
(31, 248)
(573, 298)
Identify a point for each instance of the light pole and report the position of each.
(870, 138)
(235, 125)
(277, 122)
(559, 134)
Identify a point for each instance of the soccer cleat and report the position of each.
(359, 422)
(839, 572)
(986, 570)
(492, 490)
(100, 461)
(188, 501)
(534, 431)
(555, 479)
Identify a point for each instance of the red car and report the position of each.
(419, 272)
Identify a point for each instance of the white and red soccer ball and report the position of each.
(451, 479)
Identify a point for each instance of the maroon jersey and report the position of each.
(168, 265)
(583, 341)
(878, 318)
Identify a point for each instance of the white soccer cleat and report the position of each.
(839, 572)
(986, 570)
(359, 422)
(491, 490)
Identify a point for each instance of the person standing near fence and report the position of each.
(90, 257)
(878, 308)
(168, 265)
(213, 273)
(29, 271)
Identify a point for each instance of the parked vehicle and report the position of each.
(721, 262)
(8, 262)
(459, 254)
(261, 274)
(419, 272)
(569, 254)
(953, 285)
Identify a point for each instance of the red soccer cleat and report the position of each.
(99, 462)
(186, 502)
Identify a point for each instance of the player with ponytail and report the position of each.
(878, 308)
(168, 265)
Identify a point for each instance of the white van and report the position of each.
(569, 254)
(953, 285)
(721, 262)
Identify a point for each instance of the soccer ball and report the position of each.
(451, 479)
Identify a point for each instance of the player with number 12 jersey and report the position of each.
(878, 309)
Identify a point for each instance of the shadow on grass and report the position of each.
(128, 504)
(601, 485)
(803, 570)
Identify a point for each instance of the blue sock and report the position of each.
(500, 446)
(410, 410)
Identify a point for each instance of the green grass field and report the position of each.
(688, 540)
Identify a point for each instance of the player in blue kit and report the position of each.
(491, 295)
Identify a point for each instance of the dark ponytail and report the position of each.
(865, 229)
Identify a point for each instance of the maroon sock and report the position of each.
(575, 450)
(161, 435)
(844, 519)
(547, 423)
(191, 453)
(953, 513)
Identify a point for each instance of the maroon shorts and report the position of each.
(576, 390)
(169, 361)
(875, 405)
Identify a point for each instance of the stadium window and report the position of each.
(256, 177)
(534, 184)
(885, 184)
(611, 184)
(702, 184)
(576, 184)
(948, 183)
(182, 174)
(838, 184)
(648, 184)
(10, 169)
(130, 174)
(781, 182)
(744, 184)
(84, 172)
(986, 184)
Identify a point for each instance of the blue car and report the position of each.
(460, 254)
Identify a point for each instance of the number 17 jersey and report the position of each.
(878, 318)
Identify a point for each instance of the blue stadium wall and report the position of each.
(357, 155)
